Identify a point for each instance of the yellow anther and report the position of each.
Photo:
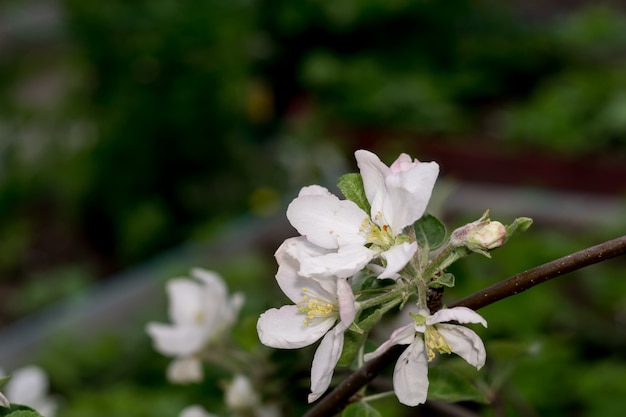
(435, 342)
(313, 307)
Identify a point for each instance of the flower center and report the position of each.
(435, 342)
(380, 236)
(313, 307)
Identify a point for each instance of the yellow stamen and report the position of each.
(314, 307)
(435, 342)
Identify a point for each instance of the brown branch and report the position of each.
(336, 400)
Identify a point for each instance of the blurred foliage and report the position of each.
(154, 121)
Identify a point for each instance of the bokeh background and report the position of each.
(138, 139)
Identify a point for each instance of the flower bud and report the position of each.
(480, 235)
(240, 395)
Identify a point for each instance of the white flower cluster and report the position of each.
(341, 238)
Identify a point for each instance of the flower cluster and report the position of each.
(380, 231)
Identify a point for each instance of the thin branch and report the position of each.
(339, 398)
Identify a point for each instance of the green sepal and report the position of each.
(351, 186)
(17, 410)
(3, 381)
(360, 409)
(430, 232)
(445, 280)
(520, 224)
(447, 385)
(354, 338)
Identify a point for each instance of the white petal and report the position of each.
(185, 370)
(325, 220)
(401, 336)
(314, 190)
(212, 281)
(240, 395)
(410, 376)
(459, 314)
(344, 263)
(324, 362)
(284, 328)
(345, 298)
(465, 343)
(4, 402)
(373, 172)
(176, 340)
(287, 276)
(195, 411)
(408, 193)
(397, 257)
(27, 385)
(185, 300)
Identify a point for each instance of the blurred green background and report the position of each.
(128, 128)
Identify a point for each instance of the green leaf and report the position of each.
(360, 409)
(430, 232)
(351, 185)
(353, 339)
(17, 410)
(3, 381)
(24, 413)
(446, 385)
(446, 280)
(521, 224)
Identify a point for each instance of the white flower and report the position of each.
(320, 302)
(29, 386)
(240, 395)
(425, 336)
(201, 313)
(195, 411)
(346, 237)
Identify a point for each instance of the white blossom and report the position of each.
(344, 238)
(426, 335)
(29, 386)
(195, 411)
(324, 307)
(202, 313)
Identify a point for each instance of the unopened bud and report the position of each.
(240, 395)
(480, 236)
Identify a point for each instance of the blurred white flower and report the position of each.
(29, 386)
(195, 411)
(202, 313)
(240, 395)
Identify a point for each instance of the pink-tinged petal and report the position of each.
(324, 362)
(458, 314)
(176, 340)
(401, 336)
(326, 220)
(410, 375)
(285, 328)
(184, 300)
(408, 193)
(397, 257)
(465, 343)
(185, 370)
(345, 297)
(403, 163)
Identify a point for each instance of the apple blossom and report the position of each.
(201, 313)
(29, 386)
(348, 238)
(320, 303)
(426, 335)
(195, 411)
